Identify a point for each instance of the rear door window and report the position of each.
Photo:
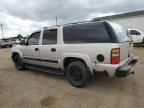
(86, 33)
(49, 37)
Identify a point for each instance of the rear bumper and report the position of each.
(127, 68)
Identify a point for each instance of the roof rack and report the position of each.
(77, 22)
(51, 26)
(72, 23)
(96, 20)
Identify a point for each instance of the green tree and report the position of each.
(20, 37)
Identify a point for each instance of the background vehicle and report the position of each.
(17, 41)
(78, 51)
(137, 35)
(5, 43)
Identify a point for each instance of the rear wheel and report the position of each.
(18, 62)
(77, 73)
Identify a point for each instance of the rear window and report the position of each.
(86, 33)
(121, 32)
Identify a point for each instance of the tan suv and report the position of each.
(78, 50)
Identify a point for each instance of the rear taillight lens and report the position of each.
(115, 56)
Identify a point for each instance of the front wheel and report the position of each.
(18, 62)
(77, 73)
(10, 46)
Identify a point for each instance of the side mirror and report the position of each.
(23, 42)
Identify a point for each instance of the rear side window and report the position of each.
(86, 33)
(49, 37)
(134, 32)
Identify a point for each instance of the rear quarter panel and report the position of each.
(89, 50)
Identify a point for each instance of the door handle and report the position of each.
(36, 49)
(53, 49)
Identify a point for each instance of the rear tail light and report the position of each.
(115, 56)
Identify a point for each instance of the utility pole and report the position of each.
(56, 21)
(2, 31)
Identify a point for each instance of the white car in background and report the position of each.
(17, 41)
(136, 35)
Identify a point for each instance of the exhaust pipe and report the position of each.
(133, 72)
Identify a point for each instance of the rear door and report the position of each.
(30, 51)
(49, 48)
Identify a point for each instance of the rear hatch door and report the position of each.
(126, 50)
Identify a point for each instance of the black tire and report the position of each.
(18, 62)
(77, 73)
(10, 46)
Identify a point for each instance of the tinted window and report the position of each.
(134, 32)
(86, 33)
(34, 39)
(49, 37)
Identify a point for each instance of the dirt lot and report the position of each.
(33, 89)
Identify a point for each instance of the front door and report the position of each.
(31, 53)
(49, 48)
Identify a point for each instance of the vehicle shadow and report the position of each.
(45, 74)
(99, 80)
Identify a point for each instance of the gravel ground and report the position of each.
(34, 89)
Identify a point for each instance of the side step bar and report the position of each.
(45, 69)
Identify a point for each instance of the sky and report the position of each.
(25, 16)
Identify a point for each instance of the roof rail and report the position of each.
(51, 26)
(96, 20)
(77, 22)
(72, 23)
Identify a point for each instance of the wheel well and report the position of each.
(13, 55)
(68, 60)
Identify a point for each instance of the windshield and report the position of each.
(120, 31)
